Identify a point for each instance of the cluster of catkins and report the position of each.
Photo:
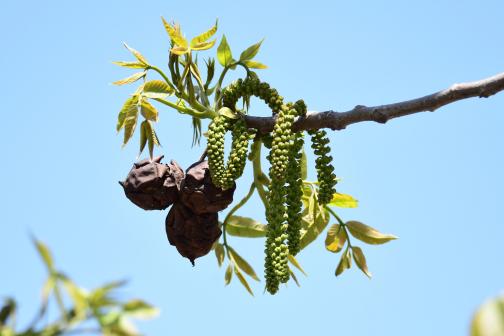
(192, 222)
(283, 211)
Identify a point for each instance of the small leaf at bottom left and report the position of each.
(229, 274)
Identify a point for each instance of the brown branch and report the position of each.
(339, 120)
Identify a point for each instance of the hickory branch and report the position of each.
(339, 120)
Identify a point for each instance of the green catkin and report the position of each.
(325, 170)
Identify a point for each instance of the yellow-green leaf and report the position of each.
(204, 36)
(242, 264)
(219, 253)
(343, 201)
(224, 55)
(360, 260)
(345, 262)
(175, 34)
(295, 263)
(227, 112)
(255, 65)
(131, 103)
(314, 227)
(151, 137)
(251, 51)
(137, 55)
(143, 136)
(489, 319)
(293, 277)
(149, 112)
(131, 79)
(156, 89)
(131, 65)
(336, 238)
(367, 234)
(78, 297)
(177, 50)
(140, 309)
(245, 227)
(130, 121)
(243, 281)
(203, 45)
(45, 254)
(304, 165)
(228, 275)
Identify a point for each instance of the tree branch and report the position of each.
(381, 114)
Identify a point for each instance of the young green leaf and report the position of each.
(255, 65)
(204, 36)
(242, 264)
(143, 136)
(130, 121)
(137, 55)
(243, 281)
(295, 263)
(336, 238)
(78, 297)
(175, 34)
(140, 309)
(313, 227)
(360, 260)
(130, 104)
(228, 275)
(131, 79)
(293, 277)
(178, 50)
(224, 55)
(45, 254)
(156, 89)
(245, 227)
(203, 45)
(131, 65)
(489, 318)
(149, 112)
(219, 253)
(251, 51)
(345, 262)
(227, 112)
(367, 234)
(304, 165)
(343, 201)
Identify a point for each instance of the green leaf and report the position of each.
(243, 281)
(367, 234)
(224, 55)
(245, 227)
(203, 45)
(242, 264)
(45, 254)
(151, 137)
(8, 309)
(175, 34)
(137, 55)
(130, 120)
(204, 36)
(295, 263)
(131, 79)
(489, 319)
(293, 277)
(345, 262)
(140, 309)
(304, 165)
(360, 260)
(78, 297)
(228, 275)
(143, 136)
(156, 89)
(131, 65)
(219, 253)
(149, 112)
(336, 238)
(228, 113)
(251, 51)
(314, 227)
(131, 103)
(178, 50)
(255, 65)
(343, 201)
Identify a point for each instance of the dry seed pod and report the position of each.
(193, 235)
(152, 185)
(200, 194)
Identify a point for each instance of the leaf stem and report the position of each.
(256, 164)
(343, 225)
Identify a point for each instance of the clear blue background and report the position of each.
(434, 179)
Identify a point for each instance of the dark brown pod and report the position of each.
(193, 235)
(152, 185)
(200, 194)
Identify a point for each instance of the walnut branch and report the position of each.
(339, 120)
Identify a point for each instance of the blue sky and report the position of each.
(434, 179)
